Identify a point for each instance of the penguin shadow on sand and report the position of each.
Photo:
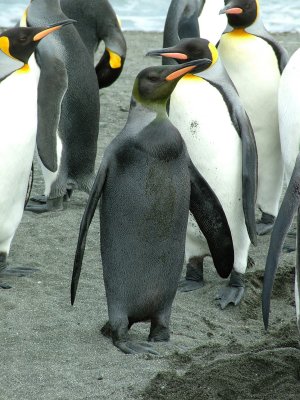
(145, 187)
(18, 103)
(289, 123)
(68, 98)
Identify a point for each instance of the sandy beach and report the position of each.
(51, 350)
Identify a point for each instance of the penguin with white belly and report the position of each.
(207, 111)
(147, 184)
(68, 109)
(193, 18)
(289, 124)
(97, 21)
(19, 78)
(254, 62)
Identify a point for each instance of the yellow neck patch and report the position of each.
(214, 53)
(191, 77)
(239, 33)
(24, 69)
(23, 22)
(115, 60)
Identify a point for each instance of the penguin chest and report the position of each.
(253, 67)
(18, 123)
(200, 113)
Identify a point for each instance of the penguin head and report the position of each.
(154, 85)
(240, 13)
(190, 50)
(20, 43)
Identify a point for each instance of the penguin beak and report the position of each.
(229, 9)
(182, 69)
(167, 53)
(52, 28)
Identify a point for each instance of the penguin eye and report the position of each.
(153, 78)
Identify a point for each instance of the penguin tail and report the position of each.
(88, 215)
(288, 209)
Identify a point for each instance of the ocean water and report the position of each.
(149, 15)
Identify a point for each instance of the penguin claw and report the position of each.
(41, 199)
(135, 348)
(230, 294)
(187, 285)
(4, 286)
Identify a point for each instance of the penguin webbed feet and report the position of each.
(193, 279)
(233, 293)
(265, 224)
(47, 206)
(15, 271)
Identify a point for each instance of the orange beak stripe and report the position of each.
(46, 32)
(236, 10)
(178, 56)
(179, 73)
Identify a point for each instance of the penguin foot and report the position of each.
(194, 275)
(18, 271)
(4, 286)
(50, 205)
(159, 334)
(290, 243)
(233, 293)
(187, 285)
(265, 224)
(129, 347)
(39, 198)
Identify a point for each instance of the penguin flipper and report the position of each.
(212, 221)
(249, 175)
(88, 215)
(288, 209)
(53, 84)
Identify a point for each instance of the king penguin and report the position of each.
(147, 184)
(68, 108)
(96, 21)
(193, 18)
(208, 113)
(254, 62)
(289, 125)
(18, 123)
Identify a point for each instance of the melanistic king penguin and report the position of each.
(289, 124)
(207, 111)
(97, 21)
(147, 184)
(254, 61)
(193, 18)
(68, 108)
(19, 78)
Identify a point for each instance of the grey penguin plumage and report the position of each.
(254, 62)
(206, 109)
(96, 22)
(18, 124)
(147, 184)
(68, 113)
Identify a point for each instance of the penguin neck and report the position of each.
(151, 109)
(139, 117)
(23, 70)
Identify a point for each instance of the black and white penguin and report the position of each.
(254, 62)
(96, 21)
(289, 126)
(19, 78)
(193, 18)
(147, 184)
(68, 108)
(208, 113)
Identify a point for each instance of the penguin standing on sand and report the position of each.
(208, 113)
(289, 124)
(68, 109)
(193, 18)
(97, 21)
(147, 184)
(18, 123)
(254, 62)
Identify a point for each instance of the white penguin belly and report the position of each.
(253, 67)
(289, 113)
(211, 23)
(199, 112)
(18, 123)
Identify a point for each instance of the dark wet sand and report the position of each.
(51, 350)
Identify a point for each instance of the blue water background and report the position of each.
(149, 15)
